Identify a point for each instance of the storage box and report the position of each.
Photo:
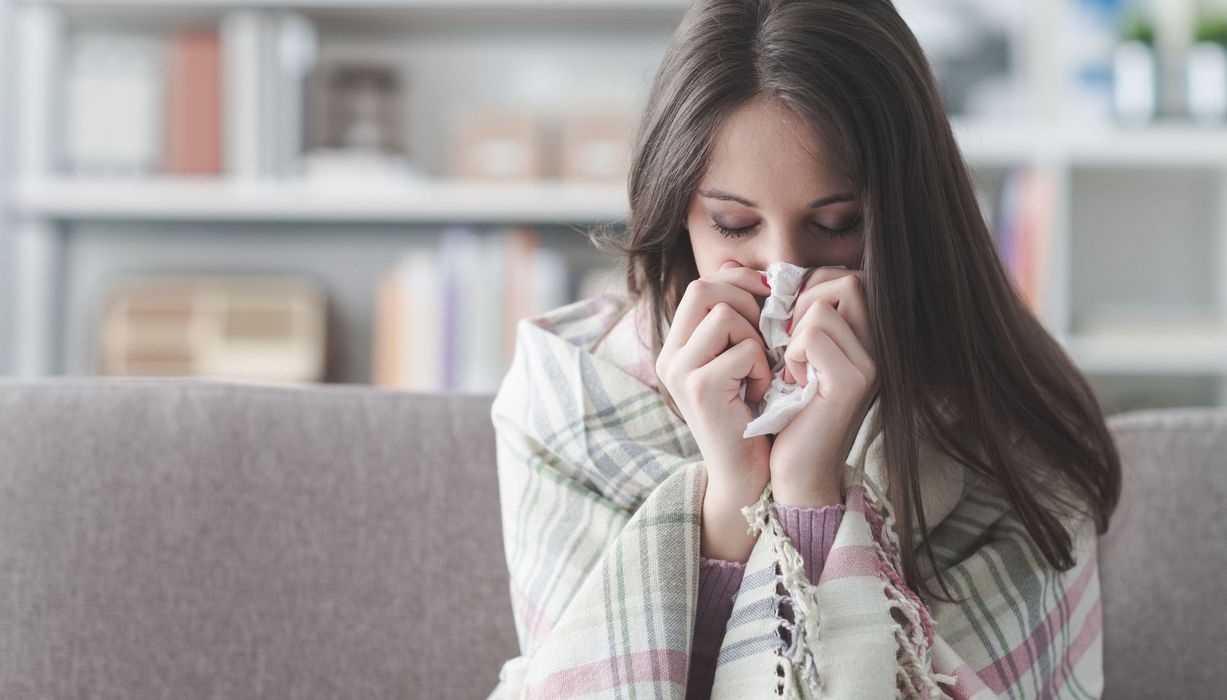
(257, 329)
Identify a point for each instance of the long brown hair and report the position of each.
(954, 338)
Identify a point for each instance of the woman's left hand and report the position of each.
(829, 330)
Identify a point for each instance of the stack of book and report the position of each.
(178, 102)
(142, 104)
(446, 316)
(1024, 230)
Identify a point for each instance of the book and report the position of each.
(519, 246)
(485, 320)
(387, 341)
(1024, 231)
(193, 103)
(447, 314)
(420, 283)
(462, 287)
(113, 89)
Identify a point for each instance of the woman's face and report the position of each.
(767, 181)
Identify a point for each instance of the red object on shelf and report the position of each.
(193, 103)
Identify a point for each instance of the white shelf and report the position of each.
(1183, 355)
(213, 199)
(1159, 145)
(201, 199)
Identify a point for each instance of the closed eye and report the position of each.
(733, 232)
(848, 230)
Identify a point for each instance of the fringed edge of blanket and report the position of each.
(797, 666)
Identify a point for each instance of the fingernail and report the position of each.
(764, 279)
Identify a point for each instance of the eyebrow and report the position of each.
(816, 204)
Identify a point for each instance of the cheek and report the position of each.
(710, 252)
(855, 253)
(700, 242)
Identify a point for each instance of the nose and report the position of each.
(779, 246)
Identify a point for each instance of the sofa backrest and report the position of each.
(1164, 557)
(196, 539)
(189, 539)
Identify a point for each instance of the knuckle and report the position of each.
(858, 379)
(866, 377)
(692, 383)
(663, 359)
(667, 380)
(823, 313)
(722, 311)
(697, 287)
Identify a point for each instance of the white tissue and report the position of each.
(782, 400)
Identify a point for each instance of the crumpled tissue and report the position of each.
(782, 401)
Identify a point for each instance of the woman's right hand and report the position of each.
(713, 344)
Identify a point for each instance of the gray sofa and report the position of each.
(191, 539)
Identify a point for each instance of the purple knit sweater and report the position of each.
(811, 530)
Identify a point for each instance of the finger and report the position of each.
(832, 368)
(823, 273)
(746, 278)
(704, 293)
(844, 291)
(794, 371)
(819, 276)
(744, 360)
(823, 316)
(721, 328)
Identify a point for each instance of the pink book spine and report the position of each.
(193, 109)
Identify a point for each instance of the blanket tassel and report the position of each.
(797, 666)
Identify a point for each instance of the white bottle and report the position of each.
(1134, 82)
(1206, 83)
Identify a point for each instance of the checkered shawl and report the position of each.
(601, 489)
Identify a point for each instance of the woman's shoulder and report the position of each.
(580, 321)
(608, 325)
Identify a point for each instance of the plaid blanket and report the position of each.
(601, 490)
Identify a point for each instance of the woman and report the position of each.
(654, 550)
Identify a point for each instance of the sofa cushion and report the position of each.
(196, 539)
(1165, 555)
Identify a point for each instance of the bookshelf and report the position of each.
(1133, 276)
(188, 199)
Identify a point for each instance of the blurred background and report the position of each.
(375, 191)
